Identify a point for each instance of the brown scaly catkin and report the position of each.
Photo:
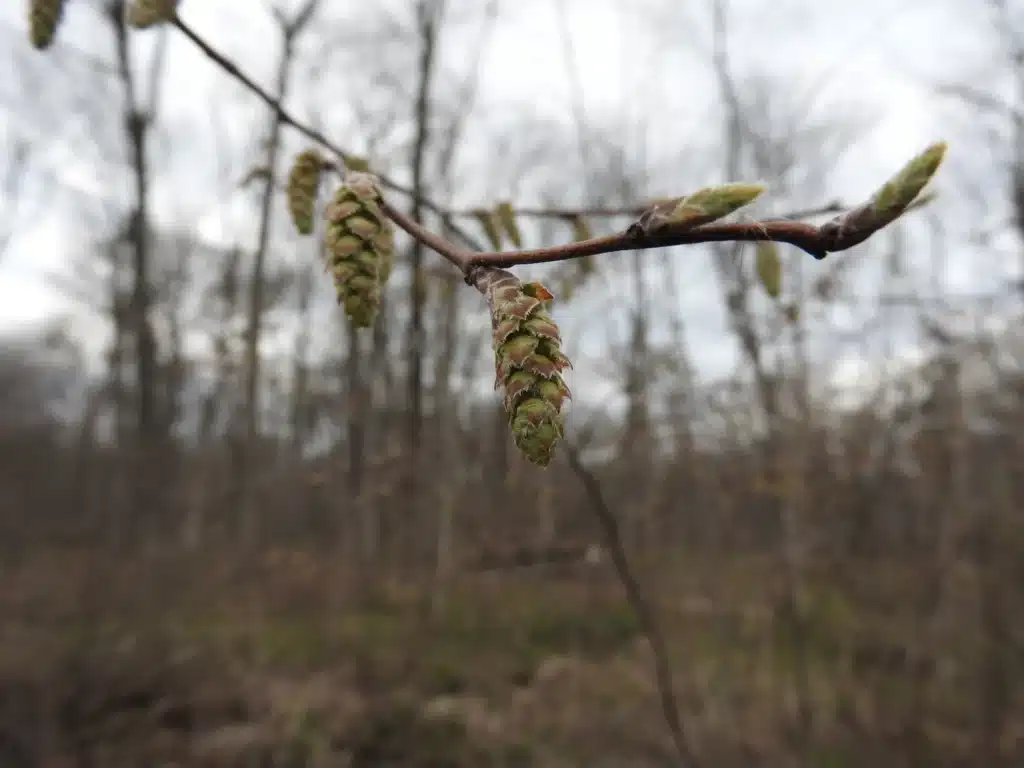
(528, 363)
(44, 17)
(148, 13)
(303, 182)
(360, 246)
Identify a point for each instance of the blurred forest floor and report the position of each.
(277, 660)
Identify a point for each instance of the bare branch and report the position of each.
(457, 256)
(838, 234)
(602, 212)
(288, 119)
(980, 99)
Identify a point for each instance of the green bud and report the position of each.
(897, 194)
(713, 203)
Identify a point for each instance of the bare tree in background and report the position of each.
(892, 509)
(290, 29)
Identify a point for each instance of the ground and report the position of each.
(210, 663)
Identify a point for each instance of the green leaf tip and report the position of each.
(897, 194)
(712, 203)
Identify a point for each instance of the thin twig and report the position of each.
(644, 613)
(387, 182)
(804, 236)
(287, 118)
(608, 212)
(459, 257)
(838, 234)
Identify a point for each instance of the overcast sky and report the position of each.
(872, 59)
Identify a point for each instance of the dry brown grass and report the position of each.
(207, 662)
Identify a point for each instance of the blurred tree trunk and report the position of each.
(359, 411)
(635, 450)
(216, 404)
(299, 418)
(450, 462)
(680, 479)
(246, 448)
(147, 496)
(777, 480)
(428, 24)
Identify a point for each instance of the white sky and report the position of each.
(874, 57)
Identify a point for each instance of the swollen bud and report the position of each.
(528, 363)
(303, 182)
(360, 246)
(713, 203)
(148, 13)
(43, 19)
(897, 194)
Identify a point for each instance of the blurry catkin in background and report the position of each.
(148, 13)
(43, 19)
(303, 182)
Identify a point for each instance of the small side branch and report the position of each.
(643, 610)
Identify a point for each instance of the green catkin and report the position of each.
(360, 247)
(528, 364)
